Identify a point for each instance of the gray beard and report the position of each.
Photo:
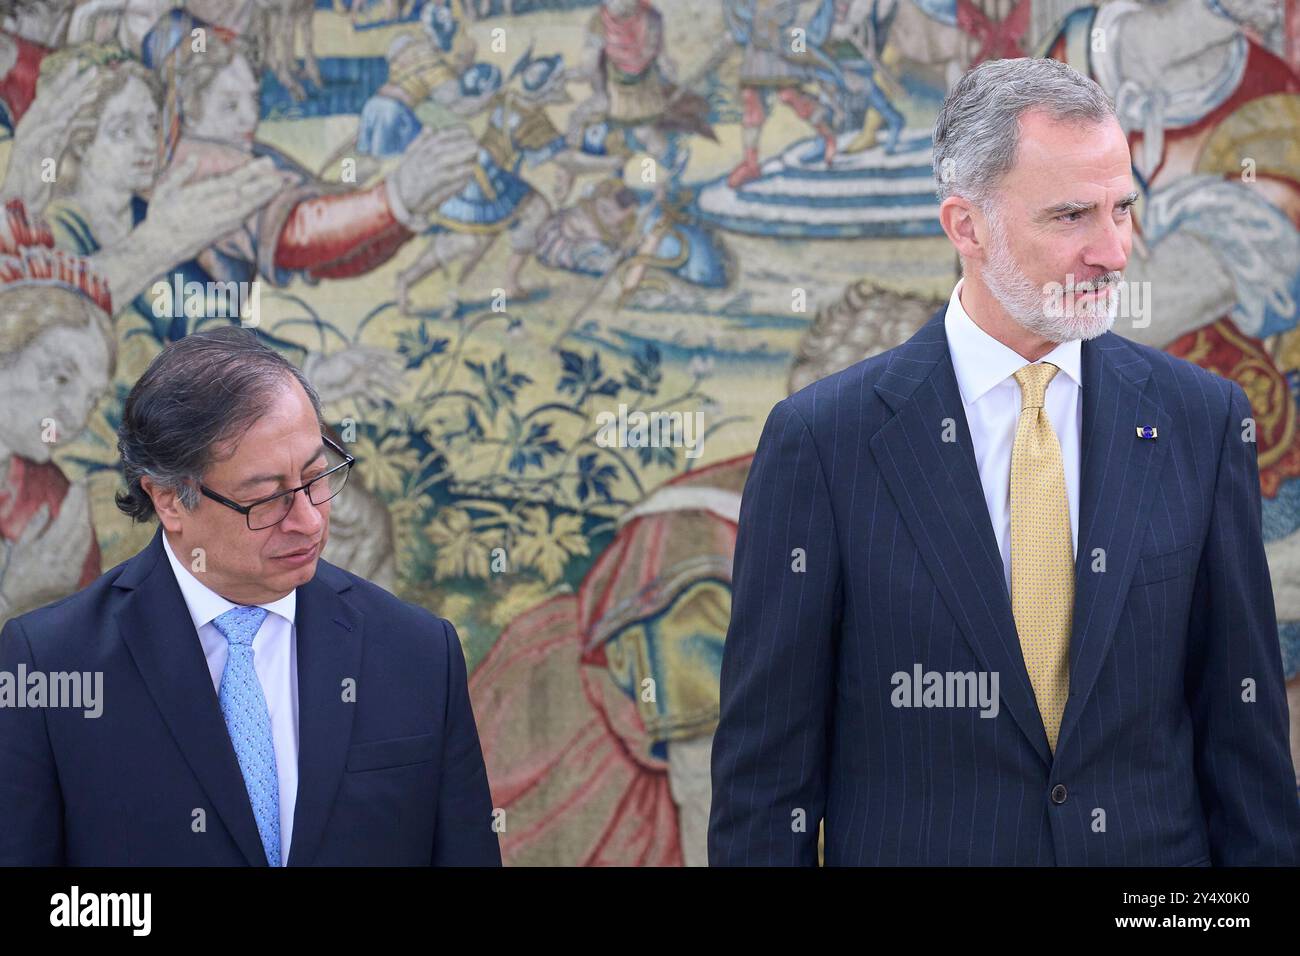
(1031, 307)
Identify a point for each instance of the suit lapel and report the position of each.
(155, 626)
(936, 486)
(1117, 484)
(329, 653)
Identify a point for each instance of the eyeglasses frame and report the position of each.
(247, 509)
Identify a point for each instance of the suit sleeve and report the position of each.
(769, 763)
(31, 803)
(463, 833)
(1242, 758)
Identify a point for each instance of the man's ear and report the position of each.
(166, 502)
(966, 227)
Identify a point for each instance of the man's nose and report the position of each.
(303, 517)
(1110, 248)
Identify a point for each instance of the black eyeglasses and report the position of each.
(268, 512)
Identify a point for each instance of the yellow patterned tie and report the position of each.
(1042, 553)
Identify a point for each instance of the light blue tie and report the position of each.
(249, 723)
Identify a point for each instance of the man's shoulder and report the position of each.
(1176, 379)
(865, 372)
(74, 620)
(850, 391)
(384, 612)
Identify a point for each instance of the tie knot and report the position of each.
(1033, 381)
(240, 624)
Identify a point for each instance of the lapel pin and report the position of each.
(1146, 431)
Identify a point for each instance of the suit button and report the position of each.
(1058, 793)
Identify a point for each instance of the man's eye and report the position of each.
(1065, 217)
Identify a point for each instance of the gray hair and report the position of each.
(200, 391)
(977, 131)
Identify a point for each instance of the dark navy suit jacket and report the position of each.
(394, 778)
(1173, 746)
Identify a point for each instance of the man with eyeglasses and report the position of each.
(260, 706)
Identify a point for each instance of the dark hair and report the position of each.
(198, 392)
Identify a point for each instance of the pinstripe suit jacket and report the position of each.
(865, 549)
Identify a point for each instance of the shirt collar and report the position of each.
(205, 604)
(980, 361)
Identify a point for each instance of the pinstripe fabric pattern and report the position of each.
(1042, 551)
(865, 549)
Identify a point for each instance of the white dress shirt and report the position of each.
(991, 396)
(275, 658)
